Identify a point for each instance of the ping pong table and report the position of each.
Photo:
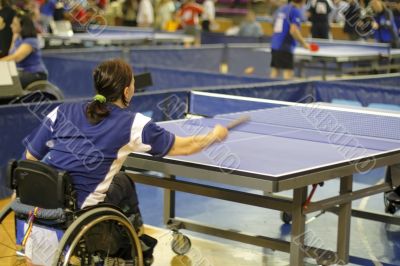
(285, 147)
(344, 57)
(120, 36)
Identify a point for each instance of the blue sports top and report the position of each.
(387, 31)
(94, 154)
(286, 15)
(33, 62)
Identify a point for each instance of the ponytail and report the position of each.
(97, 110)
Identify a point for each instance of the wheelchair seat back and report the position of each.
(40, 185)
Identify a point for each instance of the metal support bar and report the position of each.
(261, 241)
(214, 192)
(298, 227)
(347, 197)
(373, 216)
(169, 202)
(343, 237)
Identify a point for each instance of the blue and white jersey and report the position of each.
(387, 31)
(94, 154)
(282, 40)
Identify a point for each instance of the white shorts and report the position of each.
(41, 245)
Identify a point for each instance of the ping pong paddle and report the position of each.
(314, 47)
(237, 122)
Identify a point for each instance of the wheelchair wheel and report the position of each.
(47, 87)
(39, 91)
(10, 252)
(100, 236)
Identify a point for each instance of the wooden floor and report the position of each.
(207, 253)
(203, 252)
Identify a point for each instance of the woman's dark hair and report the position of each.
(110, 80)
(28, 29)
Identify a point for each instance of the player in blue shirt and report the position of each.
(91, 140)
(287, 22)
(25, 51)
(384, 25)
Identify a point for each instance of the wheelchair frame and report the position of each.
(77, 228)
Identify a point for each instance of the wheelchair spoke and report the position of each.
(7, 246)
(8, 234)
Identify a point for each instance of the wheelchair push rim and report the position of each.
(87, 221)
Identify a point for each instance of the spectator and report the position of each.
(319, 11)
(384, 24)
(208, 15)
(47, 14)
(164, 14)
(6, 16)
(188, 15)
(337, 15)
(250, 27)
(113, 13)
(145, 15)
(353, 17)
(129, 11)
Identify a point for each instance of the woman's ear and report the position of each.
(126, 93)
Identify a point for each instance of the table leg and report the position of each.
(298, 227)
(169, 203)
(343, 237)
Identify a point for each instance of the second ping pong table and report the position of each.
(289, 147)
(120, 36)
(343, 57)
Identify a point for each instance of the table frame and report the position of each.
(138, 165)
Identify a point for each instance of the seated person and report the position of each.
(25, 51)
(250, 27)
(91, 141)
(384, 25)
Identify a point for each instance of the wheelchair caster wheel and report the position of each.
(148, 261)
(390, 208)
(385, 200)
(327, 258)
(286, 217)
(180, 243)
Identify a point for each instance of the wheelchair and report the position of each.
(39, 91)
(97, 235)
(392, 198)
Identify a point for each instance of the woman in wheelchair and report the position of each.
(25, 51)
(91, 140)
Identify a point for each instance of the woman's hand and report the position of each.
(220, 132)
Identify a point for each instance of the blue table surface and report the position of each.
(281, 141)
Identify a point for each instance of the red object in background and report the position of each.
(314, 47)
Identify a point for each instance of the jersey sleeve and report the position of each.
(33, 42)
(295, 17)
(159, 139)
(38, 142)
